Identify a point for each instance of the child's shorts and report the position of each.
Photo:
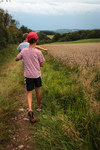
(31, 83)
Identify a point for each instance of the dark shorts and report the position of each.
(31, 83)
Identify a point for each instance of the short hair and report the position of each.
(33, 40)
(24, 36)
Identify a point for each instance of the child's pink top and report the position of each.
(32, 59)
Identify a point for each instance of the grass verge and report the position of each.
(11, 86)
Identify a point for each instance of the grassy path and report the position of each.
(14, 126)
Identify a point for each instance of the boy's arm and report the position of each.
(41, 48)
(19, 56)
(41, 64)
(16, 59)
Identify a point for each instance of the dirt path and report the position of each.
(21, 139)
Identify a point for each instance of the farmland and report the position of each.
(87, 55)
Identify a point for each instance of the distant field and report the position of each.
(81, 54)
(80, 41)
(50, 36)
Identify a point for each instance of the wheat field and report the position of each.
(83, 54)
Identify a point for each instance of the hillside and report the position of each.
(60, 30)
(65, 30)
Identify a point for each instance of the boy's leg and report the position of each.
(38, 96)
(29, 100)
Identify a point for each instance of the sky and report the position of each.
(54, 14)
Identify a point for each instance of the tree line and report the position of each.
(10, 33)
(77, 35)
(71, 36)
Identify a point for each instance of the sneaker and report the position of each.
(32, 119)
(39, 108)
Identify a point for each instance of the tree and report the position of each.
(3, 31)
(15, 23)
(43, 38)
(56, 37)
(5, 17)
(15, 34)
(25, 29)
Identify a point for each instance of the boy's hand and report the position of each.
(46, 49)
(16, 59)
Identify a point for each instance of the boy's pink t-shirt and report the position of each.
(32, 59)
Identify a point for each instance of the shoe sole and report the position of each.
(32, 119)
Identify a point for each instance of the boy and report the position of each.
(33, 60)
(26, 44)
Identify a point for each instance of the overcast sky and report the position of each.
(55, 14)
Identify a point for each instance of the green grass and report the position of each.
(80, 41)
(8, 53)
(11, 76)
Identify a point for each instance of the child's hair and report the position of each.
(25, 36)
(33, 40)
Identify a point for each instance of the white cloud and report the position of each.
(53, 1)
(52, 7)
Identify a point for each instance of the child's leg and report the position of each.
(38, 95)
(29, 99)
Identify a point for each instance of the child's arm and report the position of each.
(16, 59)
(41, 48)
(41, 64)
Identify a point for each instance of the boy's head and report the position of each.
(25, 36)
(32, 37)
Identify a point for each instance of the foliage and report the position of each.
(43, 38)
(25, 29)
(77, 35)
(9, 32)
(15, 34)
(47, 32)
(6, 19)
(56, 37)
(3, 36)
